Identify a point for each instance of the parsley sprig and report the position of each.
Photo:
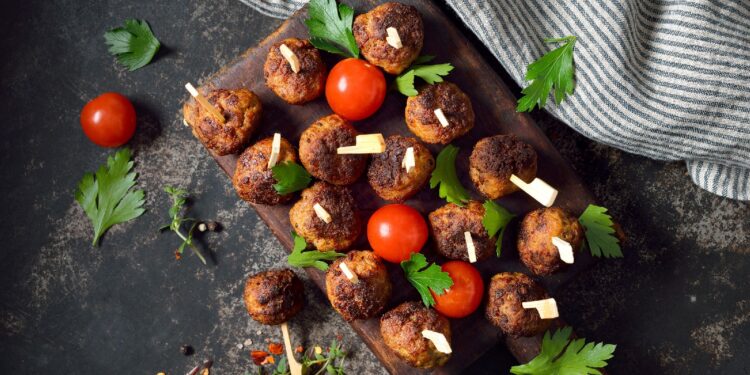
(554, 70)
(429, 73)
(179, 199)
(108, 197)
(495, 220)
(290, 177)
(561, 355)
(426, 277)
(330, 27)
(134, 44)
(311, 258)
(316, 361)
(600, 232)
(445, 176)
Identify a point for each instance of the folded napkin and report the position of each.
(666, 79)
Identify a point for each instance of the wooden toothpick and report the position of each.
(348, 273)
(439, 340)
(547, 308)
(365, 144)
(470, 247)
(295, 368)
(393, 39)
(290, 57)
(441, 118)
(564, 249)
(409, 162)
(204, 102)
(322, 213)
(537, 189)
(275, 150)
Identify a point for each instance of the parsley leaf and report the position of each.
(106, 196)
(600, 232)
(290, 177)
(496, 219)
(577, 358)
(312, 258)
(425, 278)
(553, 70)
(430, 73)
(134, 44)
(179, 199)
(445, 176)
(331, 27)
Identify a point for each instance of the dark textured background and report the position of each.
(678, 303)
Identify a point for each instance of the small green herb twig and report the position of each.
(179, 199)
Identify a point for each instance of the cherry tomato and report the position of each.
(108, 120)
(355, 89)
(395, 231)
(465, 295)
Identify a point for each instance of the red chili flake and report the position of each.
(268, 361)
(275, 348)
(299, 349)
(177, 255)
(258, 356)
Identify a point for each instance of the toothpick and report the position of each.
(290, 57)
(204, 102)
(348, 273)
(564, 249)
(393, 39)
(547, 308)
(365, 144)
(295, 368)
(537, 189)
(409, 162)
(470, 247)
(184, 122)
(439, 340)
(275, 150)
(322, 213)
(441, 118)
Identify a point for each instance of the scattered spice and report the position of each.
(248, 342)
(299, 349)
(205, 371)
(275, 348)
(258, 356)
(187, 350)
(268, 361)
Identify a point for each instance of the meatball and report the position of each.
(368, 296)
(252, 178)
(345, 225)
(389, 178)
(535, 238)
(448, 224)
(455, 105)
(241, 109)
(370, 32)
(317, 151)
(402, 328)
(495, 158)
(295, 88)
(507, 292)
(273, 297)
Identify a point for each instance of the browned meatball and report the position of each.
(402, 328)
(507, 292)
(535, 238)
(273, 297)
(253, 180)
(295, 88)
(241, 109)
(448, 224)
(317, 151)
(370, 33)
(495, 158)
(389, 178)
(345, 225)
(368, 296)
(456, 106)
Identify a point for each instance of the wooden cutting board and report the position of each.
(495, 114)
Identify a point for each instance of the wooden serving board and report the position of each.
(494, 106)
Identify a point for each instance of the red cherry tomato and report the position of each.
(395, 231)
(465, 295)
(355, 89)
(108, 120)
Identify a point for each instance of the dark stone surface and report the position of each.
(678, 303)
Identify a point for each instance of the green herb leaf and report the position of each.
(312, 258)
(496, 219)
(134, 45)
(430, 73)
(290, 177)
(578, 356)
(107, 197)
(553, 70)
(179, 199)
(600, 232)
(445, 176)
(425, 278)
(330, 27)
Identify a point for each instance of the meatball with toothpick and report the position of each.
(327, 217)
(390, 36)
(440, 113)
(402, 329)
(318, 151)
(535, 239)
(253, 178)
(358, 285)
(273, 297)
(506, 295)
(494, 159)
(449, 225)
(402, 170)
(295, 71)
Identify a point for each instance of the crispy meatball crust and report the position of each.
(273, 297)
(402, 328)
(241, 109)
(317, 151)
(456, 106)
(370, 33)
(345, 226)
(389, 179)
(364, 299)
(504, 310)
(252, 178)
(300, 87)
(495, 158)
(448, 224)
(535, 238)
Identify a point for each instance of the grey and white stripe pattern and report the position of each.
(667, 79)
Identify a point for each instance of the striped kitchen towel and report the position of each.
(666, 79)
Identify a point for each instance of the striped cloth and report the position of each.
(666, 79)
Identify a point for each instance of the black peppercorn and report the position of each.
(187, 350)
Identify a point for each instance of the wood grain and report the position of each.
(495, 114)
